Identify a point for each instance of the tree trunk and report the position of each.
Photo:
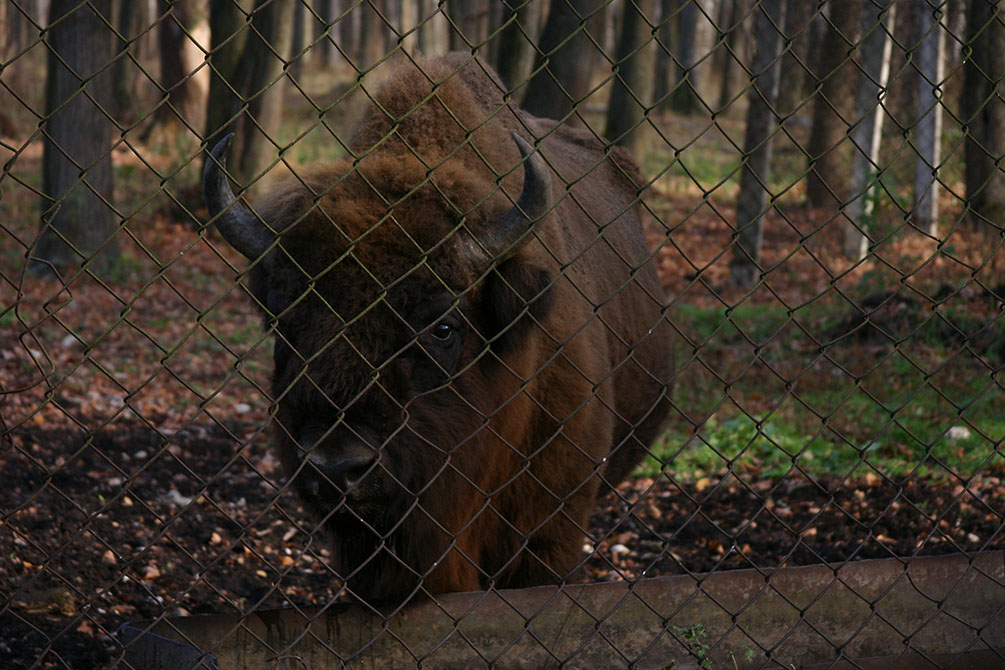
(632, 91)
(373, 41)
(564, 66)
(984, 115)
(729, 30)
(174, 84)
(928, 129)
(513, 56)
(834, 107)
(663, 67)
(757, 144)
(7, 35)
(429, 16)
(246, 90)
(469, 24)
(79, 222)
(263, 71)
(125, 72)
(684, 97)
(327, 29)
(408, 25)
(796, 60)
(298, 43)
(874, 64)
(228, 37)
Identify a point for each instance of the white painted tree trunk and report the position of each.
(874, 73)
(928, 129)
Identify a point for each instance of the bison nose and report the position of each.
(344, 470)
(341, 460)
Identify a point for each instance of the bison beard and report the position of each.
(470, 334)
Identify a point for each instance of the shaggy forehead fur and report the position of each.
(428, 156)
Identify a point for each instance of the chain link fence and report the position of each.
(382, 312)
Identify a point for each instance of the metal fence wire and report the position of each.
(346, 322)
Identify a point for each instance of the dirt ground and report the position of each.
(197, 525)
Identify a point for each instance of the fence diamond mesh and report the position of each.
(346, 322)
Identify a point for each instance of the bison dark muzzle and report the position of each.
(470, 334)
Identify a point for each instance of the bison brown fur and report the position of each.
(470, 337)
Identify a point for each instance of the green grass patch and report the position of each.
(763, 398)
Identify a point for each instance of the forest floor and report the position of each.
(838, 411)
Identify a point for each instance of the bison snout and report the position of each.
(339, 460)
(343, 471)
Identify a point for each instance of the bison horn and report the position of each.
(239, 226)
(534, 202)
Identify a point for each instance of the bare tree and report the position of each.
(79, 222)
(928, 129)
(729, 19)
(632, 91)
(408, 22)
(300, 39)
(757, 144)
(178, 17)
(795, 61)
(125, 71)
(566, 56)
(984, 114)
(374, 41)
(513, 57)
(833, 107)
(663, 67)
(875, 48)
(246, 89)
(469, 22)
(684, 97)
(433, 35)
(327, 28)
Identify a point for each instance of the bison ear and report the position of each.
(517, 293)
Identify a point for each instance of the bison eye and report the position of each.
(443, 331)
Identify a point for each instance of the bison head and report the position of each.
(397, 305)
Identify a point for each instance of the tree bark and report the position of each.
(513, 56)
(7, 34)
(796, 60)
(263, 71)
(684, 97)
(874, 73)
(373, 39)
(757, 144)
(984, 115)
(175, 20)
(833, 107)
(928, 129)
(408, 25)
(631, 96)
(229, 29)
(79, 222)
(564, 66)
(246, 90)
(729, 30)
(469, 24)
(125, 72)
(663, 68)
(300, 39)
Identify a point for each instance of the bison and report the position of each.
(470, 334)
